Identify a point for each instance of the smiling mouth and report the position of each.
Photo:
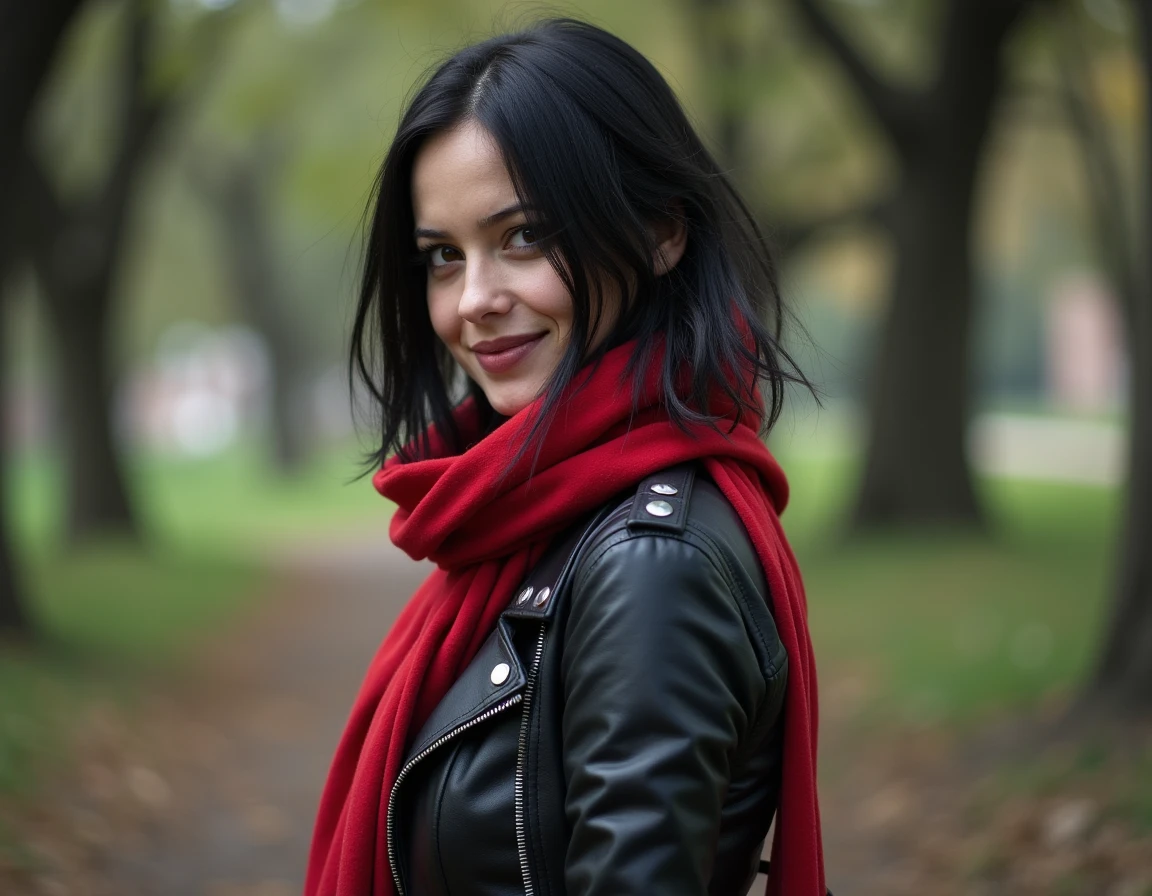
(500, 355)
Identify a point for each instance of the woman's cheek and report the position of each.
(442, 313)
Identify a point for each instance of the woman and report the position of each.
(606, 686)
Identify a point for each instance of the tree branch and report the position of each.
(29, 36)
(790, 235)
(1106, 194)
(142, 113)
(897, 110)
(965, 73)
(42, 213)
(146, 109)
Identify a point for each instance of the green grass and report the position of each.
(111, 616)
(106, 619)
(234, 502)
(954, 627)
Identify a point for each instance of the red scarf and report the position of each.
(486, 531)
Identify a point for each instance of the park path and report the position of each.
(207, 784)
(273, 695)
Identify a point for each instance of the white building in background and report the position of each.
(1084, 348)
(208, 387)
(203, 389)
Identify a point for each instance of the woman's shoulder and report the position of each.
(676, 545)
(681, 504)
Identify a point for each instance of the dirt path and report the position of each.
(274, 698)
(208, 787)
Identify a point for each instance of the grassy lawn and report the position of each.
(946, 635)
(952, 628)
(232, 503)
(109, 616)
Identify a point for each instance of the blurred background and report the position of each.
(192, 578)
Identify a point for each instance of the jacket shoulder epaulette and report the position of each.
(661, 501)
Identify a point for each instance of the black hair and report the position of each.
(598, 150)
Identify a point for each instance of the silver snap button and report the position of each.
(659, 508)
(500, 673)
(542, 597)
(522, 597)
(663, 488)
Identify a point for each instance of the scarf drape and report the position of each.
(486, 526)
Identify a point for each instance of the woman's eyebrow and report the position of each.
(496, 217)
(482, 223)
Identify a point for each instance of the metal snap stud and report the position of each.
(663, 488)
(522, 597)
(542, 597)
(500, 673)
(659, 508)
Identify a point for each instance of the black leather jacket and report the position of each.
(620, 731)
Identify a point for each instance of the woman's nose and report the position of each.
(485, 291)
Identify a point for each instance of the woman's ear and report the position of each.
(671, 238)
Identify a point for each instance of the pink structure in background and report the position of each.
(1084, 351)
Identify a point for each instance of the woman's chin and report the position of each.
(508, 402)
(506, 408)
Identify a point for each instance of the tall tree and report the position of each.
(77, 245)
(13, 612)
(731, 56)
(1123, 675)
(238, 190)
(916, 470)
(29, 36)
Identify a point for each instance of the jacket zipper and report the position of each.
(521, 749)
(411, 763)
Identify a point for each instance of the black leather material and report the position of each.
(649, 738)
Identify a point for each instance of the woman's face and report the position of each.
(493, 297)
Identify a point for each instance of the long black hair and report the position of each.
(599, 151)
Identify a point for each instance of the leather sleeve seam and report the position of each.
(740, 594)
(598, 552)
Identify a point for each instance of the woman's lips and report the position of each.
(499, 355)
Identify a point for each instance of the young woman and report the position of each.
(606, 687)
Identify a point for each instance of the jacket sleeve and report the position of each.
(661, 685)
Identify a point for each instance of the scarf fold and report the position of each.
(486, 526)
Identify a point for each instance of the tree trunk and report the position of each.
(98, 499)
(1124, 674)
(916, 467)
(29, 36)
(76, 249)
(916, 470)
(13, 613)
(76, 253)
(238, 194)
(1124, 670)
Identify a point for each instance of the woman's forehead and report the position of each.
(459, 176)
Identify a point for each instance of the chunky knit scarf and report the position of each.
(485, 527)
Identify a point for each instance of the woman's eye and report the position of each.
(438, 256)
(523, 238)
